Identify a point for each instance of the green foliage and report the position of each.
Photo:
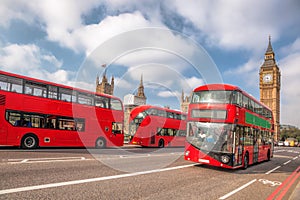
(290, 133)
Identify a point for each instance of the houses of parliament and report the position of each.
(269, 87)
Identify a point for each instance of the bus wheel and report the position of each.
(246, 161)
(269, 155)
(100, 143)
(29, 141)
(161, 143)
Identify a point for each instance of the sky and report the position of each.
(174, 45)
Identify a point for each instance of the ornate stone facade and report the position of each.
(185, 101)
(104, 86)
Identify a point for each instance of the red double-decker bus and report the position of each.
(36, 113)
(228, 128)
(152, 126)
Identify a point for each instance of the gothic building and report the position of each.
(185, 101)
(104, 86)
(131, 101)
(269, 85)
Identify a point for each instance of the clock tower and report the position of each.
(269, 86)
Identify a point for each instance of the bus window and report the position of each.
(85, 99)
(237, 98)
(52, 92)
(248, 136)
(66, 124)
(212, 96)
(16, 85)
(13, 117)
(80, 124)
(161, 113)
(170, 115)
(74, 96)
(151, 111)
(181, 133)
(37, 121)
(161, 131)
(4, 85)
(35, 89)
(18, 119)
(117, 128)
(251, 105)
(101, 102)
(51, 122)
(245, 102)
(170, 132)
(115, 104)
(65, 95)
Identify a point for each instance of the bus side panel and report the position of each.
(263, 152)
(3, 128)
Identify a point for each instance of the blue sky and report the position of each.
(177, 45)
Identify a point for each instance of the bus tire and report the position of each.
(100, 143)
(29, 141)
(246, 161)
(269, 155)
(161, 143)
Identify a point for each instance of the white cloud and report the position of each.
(23, 58)
(247, 73)
(167, 94)
(29, 60)
(52, 59)
(10, 9)
(91, 36)
(235, 24)
(191, 83)
(290, 91)
(20, 58)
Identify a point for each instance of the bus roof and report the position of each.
(141, 108)
(217, 87)
(55, 84)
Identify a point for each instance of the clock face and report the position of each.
(267, 78)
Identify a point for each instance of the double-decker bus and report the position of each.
(226, 127)
(153, 126)
(36, 113)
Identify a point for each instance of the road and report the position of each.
(140, 173)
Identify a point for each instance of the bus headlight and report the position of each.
(225, 159)
(187, 153)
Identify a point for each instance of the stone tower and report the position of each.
(104, 86)
(269, 86)
(130, 102)
(141, 92)
(185, 101)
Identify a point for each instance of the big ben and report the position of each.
(269, 86)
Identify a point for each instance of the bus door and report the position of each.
(3, 133)
(3, 127)
(239, 146)
(152, 137)
(255, 146)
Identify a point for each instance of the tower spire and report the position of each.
(141, 92)
(269, 49)
(269, 55)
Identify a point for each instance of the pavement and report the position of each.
(296, 193)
